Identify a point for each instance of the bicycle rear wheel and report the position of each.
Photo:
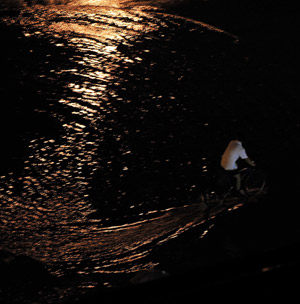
(255, 182)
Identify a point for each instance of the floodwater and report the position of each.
(121, 110)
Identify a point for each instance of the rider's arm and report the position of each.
(249, 162)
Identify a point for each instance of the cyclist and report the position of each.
(233, 152)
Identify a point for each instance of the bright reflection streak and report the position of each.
(98, 42)
(109, 3)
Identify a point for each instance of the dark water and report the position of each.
(116, 111)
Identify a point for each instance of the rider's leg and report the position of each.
(238, 185)
(238, 182)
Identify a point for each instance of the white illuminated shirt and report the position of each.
(233, 152)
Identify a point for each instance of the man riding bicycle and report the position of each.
(233, 152)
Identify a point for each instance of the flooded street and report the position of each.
(119, 115)
(116, 113)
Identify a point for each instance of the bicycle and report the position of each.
(221, 191)
(253, 182)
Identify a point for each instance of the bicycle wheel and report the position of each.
(255, 182)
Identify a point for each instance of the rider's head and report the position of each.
(238, 135)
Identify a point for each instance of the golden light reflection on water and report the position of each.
(45, 210)
(108, 3)
(48, 218)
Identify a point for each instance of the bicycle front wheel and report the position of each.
(255, 182)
